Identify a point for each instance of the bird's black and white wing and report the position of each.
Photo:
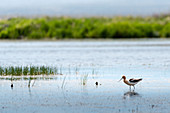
(132, 80)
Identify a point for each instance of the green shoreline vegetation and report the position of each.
(85, 28)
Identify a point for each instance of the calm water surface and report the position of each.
(101, 61)
(136, 57)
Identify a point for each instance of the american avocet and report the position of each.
(131, 82)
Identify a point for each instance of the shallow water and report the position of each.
(85, 62)
(144, 58)
(110, 96)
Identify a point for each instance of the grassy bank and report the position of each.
(85, 28)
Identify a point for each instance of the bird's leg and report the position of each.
(130, 88)
(134, 88)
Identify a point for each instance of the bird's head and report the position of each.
(123, 77)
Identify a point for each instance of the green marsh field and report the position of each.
(85, 28)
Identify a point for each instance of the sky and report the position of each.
(83, 7)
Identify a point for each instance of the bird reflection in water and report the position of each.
(130, 94)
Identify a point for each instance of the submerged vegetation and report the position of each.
(28, 70)
(81, 28)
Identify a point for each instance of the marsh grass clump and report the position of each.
(1, 71)
(42, 70)
(18, 71)
(12, 70)
(6, 71)
(28, 70)
(31, 70)
(25, 70)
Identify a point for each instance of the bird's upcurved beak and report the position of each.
(120, 79)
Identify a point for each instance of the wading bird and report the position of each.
(131, 82)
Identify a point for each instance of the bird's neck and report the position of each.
(126, 82)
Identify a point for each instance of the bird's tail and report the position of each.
(140, 79)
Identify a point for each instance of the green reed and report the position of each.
(28, 70)
(1, 70)
(25, 70)
(18, 71)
